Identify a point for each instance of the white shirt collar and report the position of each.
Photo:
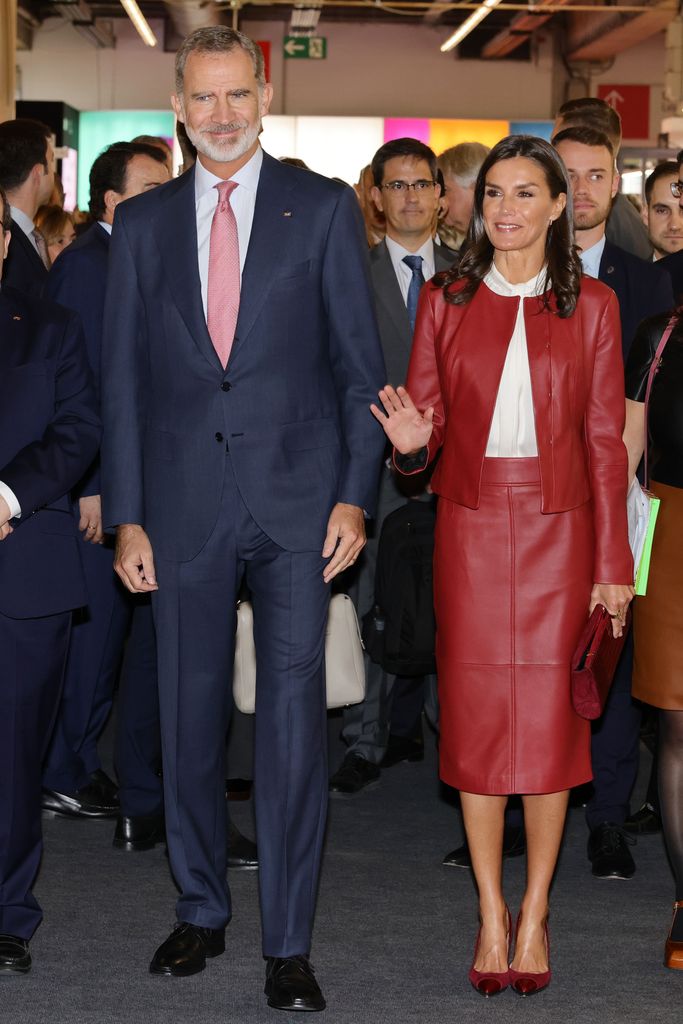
(106, 225)
(501, 286)
(247, 177)
(426, 251)
(590, 258)
(23, 220)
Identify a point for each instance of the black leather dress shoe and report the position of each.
(514, 845)
(187, 949)
(354, 774)
(608, 851)
(94, 800)
(15, 957)
(242, 853)
(106, 785)
(291, 984)
(644, 822)
(139, 832)
(403, 748)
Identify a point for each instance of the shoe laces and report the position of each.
(612, 837)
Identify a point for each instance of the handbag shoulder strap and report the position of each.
(654, 367)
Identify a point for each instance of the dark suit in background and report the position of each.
(49, 433)
(673, 265)
(642, 289)
(78, 280)
(367, 725)
(234, 472)
(23, 269)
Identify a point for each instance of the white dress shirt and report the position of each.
(513, 431)
(242, 201)
(404, 274)
(590, 258)
(106, 225)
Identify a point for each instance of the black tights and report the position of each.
(671, 798)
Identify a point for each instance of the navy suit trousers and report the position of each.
(194, 611)
(32, 655)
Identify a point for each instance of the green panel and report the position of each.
(99, 128)
(305, 47)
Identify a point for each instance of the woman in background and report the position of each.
(57, 228)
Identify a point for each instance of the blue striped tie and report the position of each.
(417, 280)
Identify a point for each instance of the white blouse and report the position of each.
(513, 431)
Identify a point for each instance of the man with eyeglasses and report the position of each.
(407, 192)
(673, 263)
(662, 215)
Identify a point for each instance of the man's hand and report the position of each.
(346, 534)
(90, 523)
(134, 561)
(5, 516)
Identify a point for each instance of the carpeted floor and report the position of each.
(394, 929)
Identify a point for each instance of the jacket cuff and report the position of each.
(409, 464)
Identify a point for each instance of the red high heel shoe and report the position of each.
(490, 983)
(528, 983)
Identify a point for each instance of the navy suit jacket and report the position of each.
(49, 432)
(78, 280)
(293, 403)
(673, 265)
(23, 269)
(641, 287)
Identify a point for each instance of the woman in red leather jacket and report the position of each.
(516, 382)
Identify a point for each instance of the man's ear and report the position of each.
(615, 183)
(177, 107)
(376, 194)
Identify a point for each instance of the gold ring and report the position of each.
(620, 614)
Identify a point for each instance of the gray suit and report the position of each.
(366, 726)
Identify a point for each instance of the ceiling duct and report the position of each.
(97, 31)
(189, 15)
(520, 29)
(601, 36)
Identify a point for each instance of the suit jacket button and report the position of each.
(226, 385)
(219, 437)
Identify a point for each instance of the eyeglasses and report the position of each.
(405, 186)
(677, 189)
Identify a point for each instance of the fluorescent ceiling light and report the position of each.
(467, 25)
(140, 21)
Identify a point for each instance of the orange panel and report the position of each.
(443, 133)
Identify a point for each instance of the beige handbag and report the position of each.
(344, 667)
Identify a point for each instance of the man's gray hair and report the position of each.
(463, 161)
(218, 39)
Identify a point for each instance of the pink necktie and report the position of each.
(223, 295)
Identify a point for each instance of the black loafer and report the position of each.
(15, 957)
(608, 851)
(514, 845)
(187, 949)
(355, 773)
(644, 822)
(291, 984)
(92, 801)
(242, 853)
(140, 832)
(403, 748)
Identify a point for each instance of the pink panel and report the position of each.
(406, 128)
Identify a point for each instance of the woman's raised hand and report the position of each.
(406, 427)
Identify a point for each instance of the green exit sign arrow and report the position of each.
(305, 47)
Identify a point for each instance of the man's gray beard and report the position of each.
(226, 153)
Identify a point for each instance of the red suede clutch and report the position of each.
(595, 661)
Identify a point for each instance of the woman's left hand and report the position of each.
(616, 597)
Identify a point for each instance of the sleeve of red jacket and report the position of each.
(423, 383)
(604, 425)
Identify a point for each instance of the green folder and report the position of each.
(643, 570)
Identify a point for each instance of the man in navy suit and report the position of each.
(673, 264)
(27, 176)
(643, 290)
(74, 782)
(241, 446)
(49, 432)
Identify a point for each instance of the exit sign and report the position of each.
(306, 47)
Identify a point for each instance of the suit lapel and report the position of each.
(21, 240)
(271, 231)
(177, 219)
(444, 258)
(388, 292)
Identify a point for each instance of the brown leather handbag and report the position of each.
(595, 662)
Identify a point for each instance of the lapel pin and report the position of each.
(16, 317)
(287, 213)
(610, 270)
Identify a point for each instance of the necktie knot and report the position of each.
(225, 190)
(414, 262)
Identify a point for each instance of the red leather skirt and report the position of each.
(511, 591)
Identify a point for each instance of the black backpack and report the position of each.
(399, 632)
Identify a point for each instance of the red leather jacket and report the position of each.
(577, 381)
